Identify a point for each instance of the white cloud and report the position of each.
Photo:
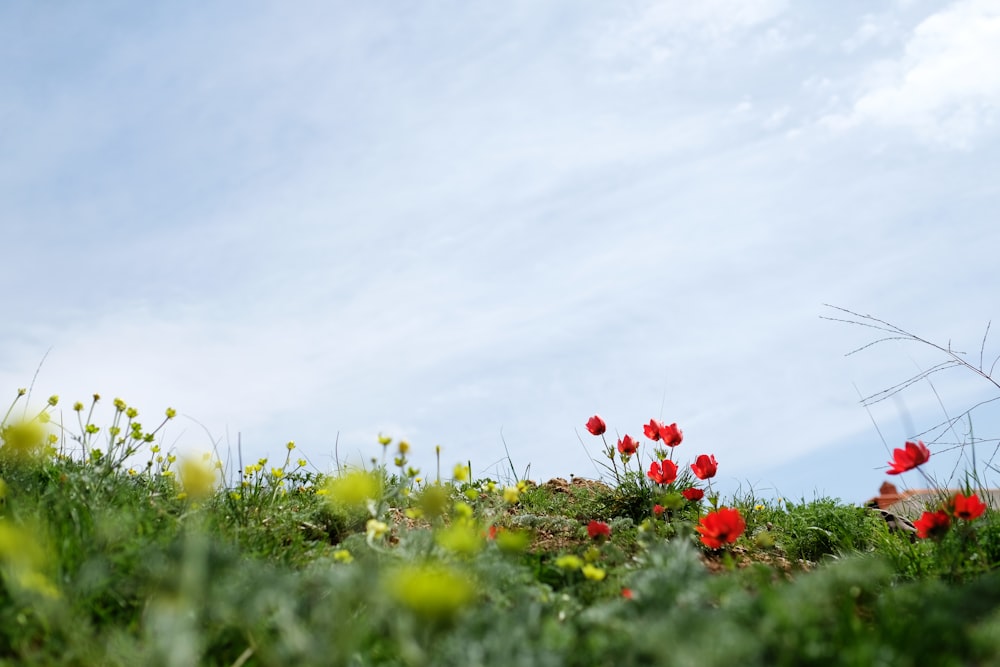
(880, 29)
(945, 87)
(711, 18)
(657, 31)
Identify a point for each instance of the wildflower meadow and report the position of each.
(116, 551)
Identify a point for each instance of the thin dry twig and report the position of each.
(955, 359)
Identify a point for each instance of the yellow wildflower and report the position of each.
(511, 494)
(23, 439)
(569, 562)
(197, 478)
(460, 538)
(433, 592)
(376, 529)
(354, 489)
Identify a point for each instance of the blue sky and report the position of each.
(476, 223)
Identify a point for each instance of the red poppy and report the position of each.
(662, 472)
(628, 446)
(968, 507)
(916, 453)
(671, 435)
(658, 510)
(627, 593)
(705, 466)
(652, 429)
(693, 493)
(596, 425)
(721, 527)
(932, 524)
(492, 533)
(597, 529)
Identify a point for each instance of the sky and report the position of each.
(475, 224)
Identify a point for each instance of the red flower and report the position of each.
(628, 446)
(627, 593)
(693, 493)
(663, 472)
(721, 527)
(658, 510)
(652, 429)
(492, 534)
(968, 507)
(932, 524)
(705, 466)
(596, 425)
(916, 453)
(671, 435)
(597, 529)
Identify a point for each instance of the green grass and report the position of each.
(103, 563)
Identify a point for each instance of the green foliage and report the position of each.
(123, 564)
(819, 528)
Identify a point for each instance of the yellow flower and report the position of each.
(404, 447)
(463, 539)
(290, 446)
(462, 510)
(569, 562)
(433, 592)
(512, 541)
(171, 413)
(197, 478)
(24, 560)
(384, 439)
(461, 473)
(434, 500)
(23, 439)
(53, 400)
(277, 473)
(342, 556)
(376, 529)
(354, 489)
(511, 494)
(78, 406)
(593, 573)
